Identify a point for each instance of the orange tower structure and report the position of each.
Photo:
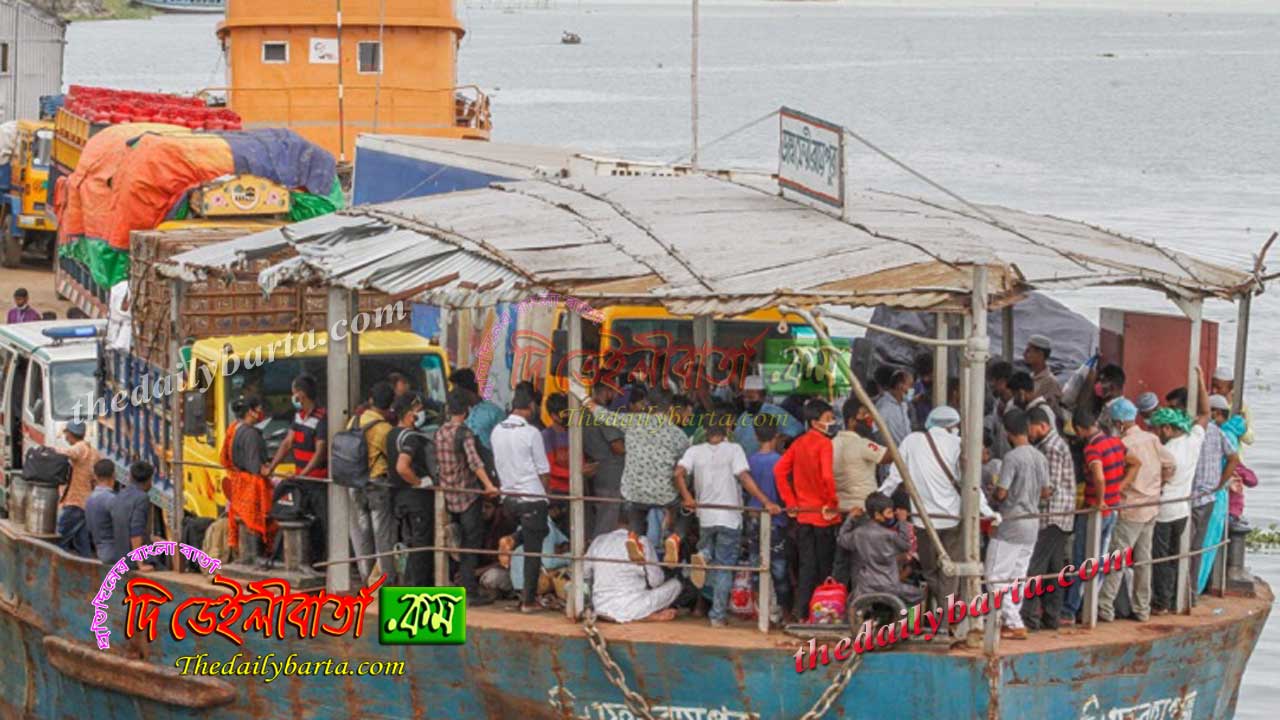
(331, 69)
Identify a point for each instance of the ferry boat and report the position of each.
(186, 6)
(661, 249)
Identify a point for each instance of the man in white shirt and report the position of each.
(628, 592)
(521, 459)
(936, 476)
(718, 466)
(1183, 439)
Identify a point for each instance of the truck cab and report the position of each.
(207, 405)
(26, 214)
(48, 376)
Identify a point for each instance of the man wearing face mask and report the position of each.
(895, 405)
(244, 456)
(805, 479)
(878, 539)
(306, 445)
(755, 406)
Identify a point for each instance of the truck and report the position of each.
(221, 323)
(129, 161)
(26, 219)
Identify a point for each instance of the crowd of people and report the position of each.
(679, 485)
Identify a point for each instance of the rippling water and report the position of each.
(1154, 122)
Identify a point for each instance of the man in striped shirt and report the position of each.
(1059, 496)
(1108, 467)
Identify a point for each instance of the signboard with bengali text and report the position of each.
(811, 160)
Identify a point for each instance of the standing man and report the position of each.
(308, 442)
(999, 373)
(1136, 524)
(72, 527)
(603, 445)
(1224, 384)
(21, 312)
(523, 468)
(805, 479)
(758, 412)
(97, 510)
(894, 406)
(718, 468)
(1024, 473)
(1108, 467)
(1036, 355)
(1059, 497)
(244, 456)
(1218, 461)
(856, 457)
(1183, 440)
(371, 522)
(484, 415)
(411, 504)
(460, 467)
(932, 456)
(129, 514)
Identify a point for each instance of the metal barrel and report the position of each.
(42, 509)
(19, 492)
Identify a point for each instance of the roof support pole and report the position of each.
(971, 435)
(1242, 351)
(940, 372)
(704, 336)
(337, 397)
(177, 426)
(1006, 336)
(577, 511)
(1194, 310)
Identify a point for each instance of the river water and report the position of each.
(1157, 122)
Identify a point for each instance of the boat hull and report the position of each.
(542, 666)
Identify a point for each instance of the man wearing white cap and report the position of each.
(755, 407)
(1224, 384)
(1036, 356)
(932, 456)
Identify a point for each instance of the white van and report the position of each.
(45, 369)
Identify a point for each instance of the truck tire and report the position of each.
(10, 244)
(11, 253)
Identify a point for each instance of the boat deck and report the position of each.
(744, 635)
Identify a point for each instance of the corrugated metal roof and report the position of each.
(705, 245)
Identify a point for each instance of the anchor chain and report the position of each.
(635, 701)
(639, 706)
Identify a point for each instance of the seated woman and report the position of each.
(877, 540)
(628, 591)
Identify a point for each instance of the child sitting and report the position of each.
(877, 540)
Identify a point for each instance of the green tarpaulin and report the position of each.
(110, 266)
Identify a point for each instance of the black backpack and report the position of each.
(428, 450)
(45, 466)
(287, 502)
(349, 457)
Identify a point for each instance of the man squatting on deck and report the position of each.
(839, 511)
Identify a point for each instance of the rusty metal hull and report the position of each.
(512, 667)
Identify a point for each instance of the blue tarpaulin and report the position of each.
(283, 156)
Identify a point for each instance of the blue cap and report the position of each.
(1147, 402)
(1123, 410)
(75, 427)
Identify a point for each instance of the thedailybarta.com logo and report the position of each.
(422, 615)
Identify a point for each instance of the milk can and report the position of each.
(42, 509)
(19, 492)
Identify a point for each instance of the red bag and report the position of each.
(742, 600)
(827, 606)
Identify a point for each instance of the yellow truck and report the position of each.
(25, 215)
(216, 374)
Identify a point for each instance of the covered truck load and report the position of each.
(143, 176)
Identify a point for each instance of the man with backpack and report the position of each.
(412, 456)
(459, 465)
(372, 526)
(71, 520)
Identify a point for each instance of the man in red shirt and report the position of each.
(805, 480)
(305, 445)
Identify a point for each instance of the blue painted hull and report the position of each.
(541, 666)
